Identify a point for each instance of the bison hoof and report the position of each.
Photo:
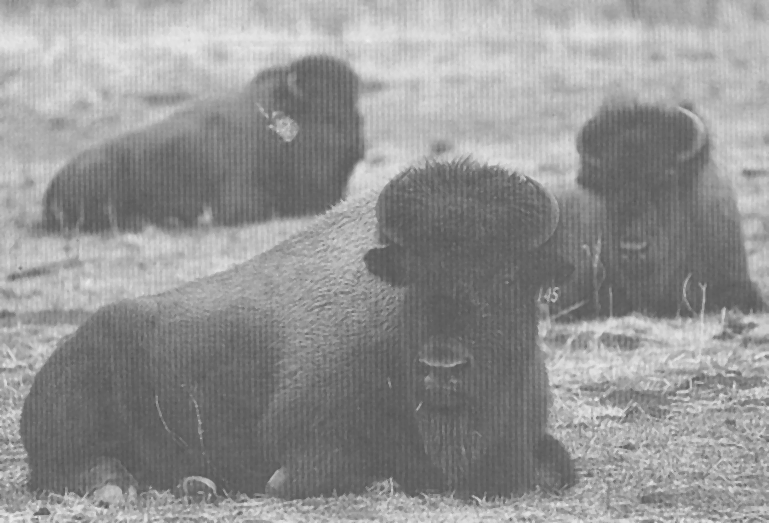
(196, 488)
(113, 495)
(107, 472)
(278, 483)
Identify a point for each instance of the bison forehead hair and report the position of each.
(642, 146)
(465, 208)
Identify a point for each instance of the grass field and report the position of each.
(668, 420)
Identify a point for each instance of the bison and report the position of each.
(285, 146)
(394, 337)
(650, 225)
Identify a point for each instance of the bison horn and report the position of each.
(293, 86)
(700, 139)
(549, 223)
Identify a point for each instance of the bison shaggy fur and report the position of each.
(284, 146)
(395, 337)
(651, 225)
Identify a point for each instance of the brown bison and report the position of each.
(285, 146)
(395, 337)
(651, 226)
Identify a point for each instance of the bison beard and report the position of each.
(395, 337)
(451, 443)
(237, 155)
(651, 226)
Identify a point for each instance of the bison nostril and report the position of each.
(453, 367)
(633, 247)
(632, 251)
(423, 369)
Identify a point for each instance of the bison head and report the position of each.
(323, 85)
(318, 86)
(468, 243)
(634, 151)
(650, 163)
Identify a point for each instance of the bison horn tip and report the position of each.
(293, 86)
(550, 223)
(700, 138)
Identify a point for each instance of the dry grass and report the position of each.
(512, 86)
(670, 426)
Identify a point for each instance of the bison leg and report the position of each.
(553, 466)
(69, 424)
(85, 420)
(415, 474)
(513, 471)
(504, 471)
(529, 457)
(71, 442)
(229, 406)
(103, 471)
(743, 296)
(92, 474)
(319, 472)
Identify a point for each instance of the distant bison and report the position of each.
(285, 146)
(395, 337)
(651, 226)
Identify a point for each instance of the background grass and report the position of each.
(667, 419)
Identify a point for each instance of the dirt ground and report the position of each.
(667, 419)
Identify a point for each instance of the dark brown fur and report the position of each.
(223, 154)
(346, 354)
(633, 189)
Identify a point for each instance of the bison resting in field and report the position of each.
(395, 337)
(237, 155)
(651, 226)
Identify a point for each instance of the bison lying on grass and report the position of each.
(238, 155)
(651, 226)
(395, 337)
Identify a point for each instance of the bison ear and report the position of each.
(387, 263)
(292, 85)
